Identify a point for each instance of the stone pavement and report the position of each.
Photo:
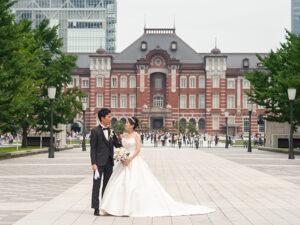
(244, 188)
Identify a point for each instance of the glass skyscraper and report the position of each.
(295, 16)
(84, 25)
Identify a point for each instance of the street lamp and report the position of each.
(250, 112)
(51, 95)
(226, 119)
(84, 106)
(292, 95)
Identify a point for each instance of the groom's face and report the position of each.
(106, 120)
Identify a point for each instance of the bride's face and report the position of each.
(128, 126)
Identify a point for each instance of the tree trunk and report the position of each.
(24, 137)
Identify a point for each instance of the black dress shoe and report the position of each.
(96, 212)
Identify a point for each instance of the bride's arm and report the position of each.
(138, 146)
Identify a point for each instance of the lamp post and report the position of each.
(250, 112)
(292, 95)
(84, 106)
(226, 119)
(51, 95)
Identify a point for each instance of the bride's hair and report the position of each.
(133, 121)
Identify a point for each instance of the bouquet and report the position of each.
(121, 154)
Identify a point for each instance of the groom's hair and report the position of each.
(103, 112)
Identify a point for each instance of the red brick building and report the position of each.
(160, 79)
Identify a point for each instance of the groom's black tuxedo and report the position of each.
(102, 152)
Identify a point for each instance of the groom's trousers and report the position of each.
(106, 171)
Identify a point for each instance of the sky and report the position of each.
(237, 25)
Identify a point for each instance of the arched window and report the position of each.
(193, 121)
(183, 82)
(158, 101)
(192, 82)
(183, 122)
(113, 122)
(123, 83)
(132, 83)
(202, 124)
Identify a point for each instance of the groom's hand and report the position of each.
(94, 167)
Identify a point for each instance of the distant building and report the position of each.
(295, 16)
(160, 79)
(84, 25)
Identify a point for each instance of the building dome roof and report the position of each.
(215, 51)
(100, 51)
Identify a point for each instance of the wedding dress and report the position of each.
(134, 191)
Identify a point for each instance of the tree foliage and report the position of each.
(30, 62)
(269, 88)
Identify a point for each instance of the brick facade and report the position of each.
(160, 88)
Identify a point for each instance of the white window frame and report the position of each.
(160, 101)
(183, 82)
(100, 84)
(132, 104)
(99, 104)
(230, 105)
(246, 84)
(182, 100)
(261, 128)
(201, 104)
(132, 82)
(116, 101)
(123, 82)
(216, 82)
(202, 82)
(194, 83)
(192, 101)
(123, 101)
(231, 81)
(246, 124)
(112, 83)
(83, 80)
(216, 101)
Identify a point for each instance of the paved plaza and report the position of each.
(244, 188)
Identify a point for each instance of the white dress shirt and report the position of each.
(105, 131)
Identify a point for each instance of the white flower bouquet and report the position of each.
(121, 154)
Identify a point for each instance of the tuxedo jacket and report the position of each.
(101, 148)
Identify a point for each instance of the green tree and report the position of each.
(181, 127)
(269, 88)
(30, 62)
(119, 127)
(192, 128)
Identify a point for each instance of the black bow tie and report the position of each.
(105, 128)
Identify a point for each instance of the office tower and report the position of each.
(295, 16)
(84, 25)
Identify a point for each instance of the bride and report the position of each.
(134, 191)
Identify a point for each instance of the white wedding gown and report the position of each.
(134, 191)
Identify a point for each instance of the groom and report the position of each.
(103, 140)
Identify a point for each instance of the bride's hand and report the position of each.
(126, 162)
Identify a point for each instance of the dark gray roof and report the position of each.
(235, 60)
(184, 53)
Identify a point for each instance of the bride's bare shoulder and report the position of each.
(124, 135)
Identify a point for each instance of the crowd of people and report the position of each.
(7, 138)
(159, 138)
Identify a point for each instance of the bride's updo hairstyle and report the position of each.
(133, 121)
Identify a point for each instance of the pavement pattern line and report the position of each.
(241, 194)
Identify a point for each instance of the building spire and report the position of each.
(174, 22)
(216, 42)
